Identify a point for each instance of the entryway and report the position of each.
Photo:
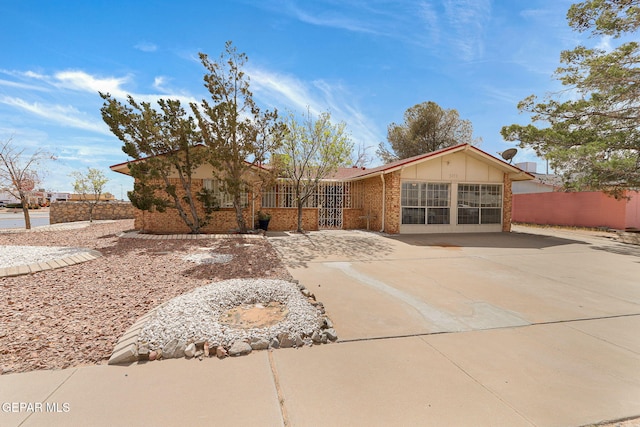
(330, 204)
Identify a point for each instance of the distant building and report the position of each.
(35, 197)
(58, 197)
(542, 183)
(7, 198)
(106, 197)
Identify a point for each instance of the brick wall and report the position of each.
(392, 203)
(507, 203)
(286, 219)
(373, 202)
(169, 222)
(60, 212)
(352, 219)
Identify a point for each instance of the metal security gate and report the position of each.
(330, 204)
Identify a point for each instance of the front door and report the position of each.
(330, 206)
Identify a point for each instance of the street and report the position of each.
(14, 218)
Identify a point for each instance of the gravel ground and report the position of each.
(196, 315)
(74, 316)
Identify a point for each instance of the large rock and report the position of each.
(221, 353)
(190, 350)
(239, 348)
(174, 349)
(331, 334)
(285, 341)
(143, 350)
(259, 344)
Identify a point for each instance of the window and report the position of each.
(282, 195)
(479, 204)
(222, 198)
(438, 204)
(425, 203)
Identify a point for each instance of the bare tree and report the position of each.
(311, 151)
(20, 173)
(89, 186)
(361, 158)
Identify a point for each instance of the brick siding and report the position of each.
(507, 203)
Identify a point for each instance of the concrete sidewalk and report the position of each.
(495, 330)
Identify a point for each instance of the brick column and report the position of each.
(507, 200)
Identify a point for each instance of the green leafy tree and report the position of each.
(427, 127)
(593, 138)
(165, 147)
(89, 186)
(238, 135)
(20, 173)
(311, 151)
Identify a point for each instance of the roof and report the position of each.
(123, 167)
(356, 173)
(515, 173)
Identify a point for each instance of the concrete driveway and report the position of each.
(476, 329)
(450, 330)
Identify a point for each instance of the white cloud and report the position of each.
(318, 96)
(332, 19)
(63, 115)
(605, 44)
(535, 13)
(467, 19)
(146, 47)
(501, 94)
(281, 88)
(430, 20)
(81, 81)
(18, 85)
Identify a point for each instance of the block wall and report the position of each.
(60, 212)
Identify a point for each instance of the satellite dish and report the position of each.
(509, 154)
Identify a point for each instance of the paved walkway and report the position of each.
(478, 330)
(35, 267)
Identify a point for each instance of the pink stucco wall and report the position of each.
(583, 209)
(633, 210)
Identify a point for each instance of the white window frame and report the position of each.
(224, 199)
(481, 205)
(423, 201)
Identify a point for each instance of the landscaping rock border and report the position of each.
(158, 335)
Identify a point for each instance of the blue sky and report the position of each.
(363, 61)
